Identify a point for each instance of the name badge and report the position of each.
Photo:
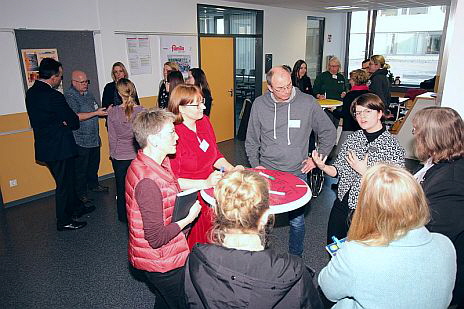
(334, 76)
(294, 123)
(95, 105)
(204, 145)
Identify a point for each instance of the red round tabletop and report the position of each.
(287, 192)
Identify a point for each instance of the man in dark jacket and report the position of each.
(52, 121)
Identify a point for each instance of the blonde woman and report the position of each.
(123, 147)
(110, 93)
(380, 85)
(163, 93)
(439, 143)
(238, 271)
(390, 259)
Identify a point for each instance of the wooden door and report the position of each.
(217, 61)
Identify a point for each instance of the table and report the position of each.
(327, 103)
(297, 192)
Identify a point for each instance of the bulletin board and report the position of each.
(75, 49)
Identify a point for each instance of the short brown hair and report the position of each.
(119, 64)
(242, 198)
(183, 94)
(368, 100)
(438, 133)
(150, 122)
(359, 77)
(391, 203)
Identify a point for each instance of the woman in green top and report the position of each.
(330, 84)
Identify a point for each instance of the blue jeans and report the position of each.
(297, 227)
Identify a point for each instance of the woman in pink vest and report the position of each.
(157, 245)
(197, 158)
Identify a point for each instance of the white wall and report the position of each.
(284, 33)
(450, 91)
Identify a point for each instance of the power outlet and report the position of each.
(13, 183)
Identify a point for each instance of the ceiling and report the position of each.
(361, 5)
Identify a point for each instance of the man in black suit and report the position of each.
(52, 121)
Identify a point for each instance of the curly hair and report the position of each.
(242, 198)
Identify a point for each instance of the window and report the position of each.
(410, 44)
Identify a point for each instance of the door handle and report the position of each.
(231, 91)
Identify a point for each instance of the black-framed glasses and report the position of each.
(82, 82)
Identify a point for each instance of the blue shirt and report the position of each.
(87, 135)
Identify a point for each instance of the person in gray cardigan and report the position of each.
(390, 259)
(278, 132)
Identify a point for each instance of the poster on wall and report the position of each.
(139, 54)
(31, 61)
(179, 49)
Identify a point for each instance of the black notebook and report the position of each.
(184, 201)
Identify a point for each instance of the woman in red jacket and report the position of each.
(197, 154)
(157, 245)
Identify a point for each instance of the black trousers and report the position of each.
(66, 201)
(168, 288)
(120, 170)
(339, 220)
(87, 163)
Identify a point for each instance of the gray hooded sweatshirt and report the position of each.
(278, 132)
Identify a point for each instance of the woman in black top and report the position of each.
(380, 85)
(110, 93)
(197, 77)
(163, 94)
(439, 143)
(300, 78)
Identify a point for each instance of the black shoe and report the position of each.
(99, 188)
(82, 211)
(85, 199)
(74, 225)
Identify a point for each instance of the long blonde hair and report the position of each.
(127, 91)
(390, 204)
(242, 198)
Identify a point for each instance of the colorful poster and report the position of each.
(179, 49)
(31, 62)
(139, 54)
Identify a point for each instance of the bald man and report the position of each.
(281, 121)
(83, 103)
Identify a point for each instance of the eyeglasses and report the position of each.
(365, 113)
(202, 102)
(82, 82)
(282, 89)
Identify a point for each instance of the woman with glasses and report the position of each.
(238, 271)
(362, 149)
(330, 84)
(197, 77)
(110, 93)
(439, 143)
(123, 147)
(198, 159)
(390, 259)
(163, 94)
(300, 78)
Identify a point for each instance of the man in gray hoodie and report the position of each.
(278, 132)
